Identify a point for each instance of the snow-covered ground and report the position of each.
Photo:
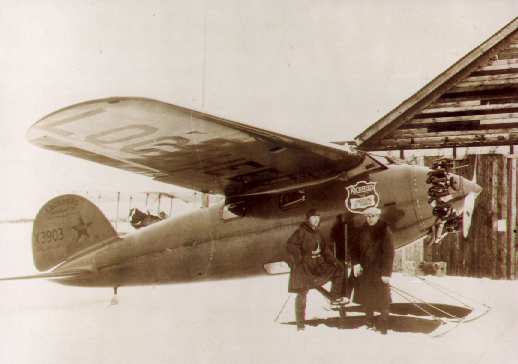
(226, 322)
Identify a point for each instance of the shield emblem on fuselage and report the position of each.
(361, 196)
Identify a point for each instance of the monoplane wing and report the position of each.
(187, 148)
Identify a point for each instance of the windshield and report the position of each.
(382, 159)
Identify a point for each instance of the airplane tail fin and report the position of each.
(64, 226)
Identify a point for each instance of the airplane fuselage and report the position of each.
(207, 245)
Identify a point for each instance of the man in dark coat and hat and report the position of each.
(372, 256)
(313, 264)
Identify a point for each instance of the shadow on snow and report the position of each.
(404, 317)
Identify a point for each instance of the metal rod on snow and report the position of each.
(444, 290)
(426, 303)
(282, 308)
(398, 292)
(443, 322)
(440, 289)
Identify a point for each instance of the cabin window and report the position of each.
(292, 199)
(234, 210)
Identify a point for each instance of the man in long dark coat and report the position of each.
(313, 264)
(372, 256)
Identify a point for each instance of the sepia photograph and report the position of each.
(259, 181)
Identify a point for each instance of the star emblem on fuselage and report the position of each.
(82, 229)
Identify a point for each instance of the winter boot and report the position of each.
(369, 318)
(300, 311)
(383, 322)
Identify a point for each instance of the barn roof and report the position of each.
(472, 103)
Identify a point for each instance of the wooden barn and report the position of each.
(473, 104)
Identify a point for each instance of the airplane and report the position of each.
(269, 181)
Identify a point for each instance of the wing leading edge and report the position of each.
(187, 148)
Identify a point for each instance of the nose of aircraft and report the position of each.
(463, 186)
(432, 196)
(471, 186)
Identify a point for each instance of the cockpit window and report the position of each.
(234, 210)
(292, 199)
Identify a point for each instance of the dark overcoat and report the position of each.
(312, 260)
(374, 251)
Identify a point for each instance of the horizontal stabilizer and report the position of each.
(47, 275)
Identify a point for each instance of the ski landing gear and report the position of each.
(448, 317)
(442, 181)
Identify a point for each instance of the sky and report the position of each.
(323, 70)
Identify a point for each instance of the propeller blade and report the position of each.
(467, 214)
(469, 203)
(474, 179)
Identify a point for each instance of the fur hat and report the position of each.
(312, 212)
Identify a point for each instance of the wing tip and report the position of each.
(44, 126)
